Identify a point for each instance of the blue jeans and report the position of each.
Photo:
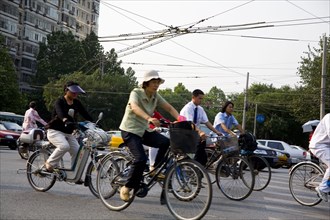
(135, 145)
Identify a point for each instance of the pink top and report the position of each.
(30, 118)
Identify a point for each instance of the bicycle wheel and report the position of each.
(261, 170)
(304, 177)
(23, 151)
(212, 156)
(91, 174)
(108, 189)
(235, 177)
(187, 190)
(38, 179)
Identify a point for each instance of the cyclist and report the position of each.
(30, 122)
(225, 120)
(135, 128)
(195, 113)
(31, 117)
(60, 128)
(320, 147)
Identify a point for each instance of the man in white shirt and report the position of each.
(320, 147)
(195, 113)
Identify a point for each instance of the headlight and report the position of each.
(257, 151)
(9, 137)
(279, 154)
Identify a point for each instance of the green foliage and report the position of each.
(177, 98)
(212, 102)
(62, 55)
(11, 98)
(310, 73)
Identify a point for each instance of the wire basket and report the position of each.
(228, 145)
(96, 137)
(183, 141)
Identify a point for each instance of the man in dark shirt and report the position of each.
(60, 128)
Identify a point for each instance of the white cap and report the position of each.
(152, 74)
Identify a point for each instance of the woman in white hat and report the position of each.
(135, 128)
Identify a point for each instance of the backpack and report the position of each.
(247, 142)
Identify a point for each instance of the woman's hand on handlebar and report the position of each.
(154, 121)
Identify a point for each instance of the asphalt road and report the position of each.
(19, 201)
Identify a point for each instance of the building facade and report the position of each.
(25, 23)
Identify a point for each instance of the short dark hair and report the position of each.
(32, 104)
(197, 92)
(145, 84)
(69, 83)
(226, 105)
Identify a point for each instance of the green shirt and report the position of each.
(133, 123)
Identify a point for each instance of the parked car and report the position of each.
(309, 155)
(295, 154)
(8, 137)
(116, 141)
(12, 126)
(283, 158)
(275, 158)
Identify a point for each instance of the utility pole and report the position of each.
(245, 101)
(324, 73)
(255, 121)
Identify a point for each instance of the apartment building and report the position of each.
(25, 23)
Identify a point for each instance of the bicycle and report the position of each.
(304, 178)
(186, 189)
(89, 136)
(261, 169)
(233, 173)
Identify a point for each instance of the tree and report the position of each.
(177, 98)
(11, 98)
(310, 74)
(94, 53)
(61, 55)
(213, 101)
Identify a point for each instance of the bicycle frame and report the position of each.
(75, 173)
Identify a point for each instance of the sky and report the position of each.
(214, 43)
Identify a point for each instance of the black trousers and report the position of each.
(135, 145)
(201, 155)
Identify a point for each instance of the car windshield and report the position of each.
(11, 126)
(2, 127)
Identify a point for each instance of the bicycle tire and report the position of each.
(261, 170)
(38, 180)
(91, 175)
(23, 155)
(187, 190)
(212, 156)
(108, 190)
(235, 177)
(304, 177)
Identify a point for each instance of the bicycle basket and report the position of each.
(228, 145)
(96, 137)
(183, 138)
